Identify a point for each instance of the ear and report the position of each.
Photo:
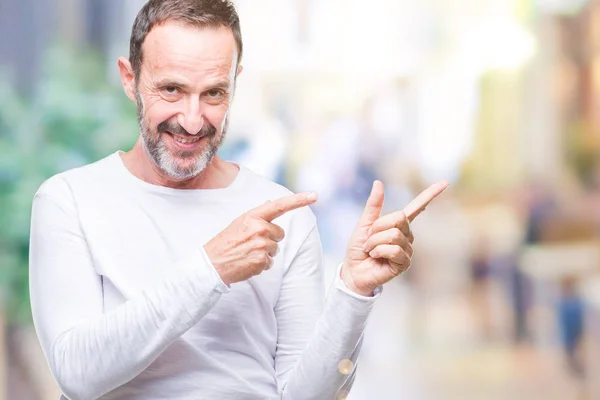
(127, 77)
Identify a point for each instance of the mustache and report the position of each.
(173, 127)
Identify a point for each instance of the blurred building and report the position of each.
(35, 25)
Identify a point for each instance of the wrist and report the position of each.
(349, 282)
(217, 268)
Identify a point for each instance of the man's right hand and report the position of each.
(247, 246)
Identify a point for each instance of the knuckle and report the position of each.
(251, 222)
(280, 233)
(258, 229)
(398, 252)
(262, 229)
(280, 207)
(263, 243)
(258, 259)
(246, 222)
(375, 226)
(402, 221)
(402, 218)
(244, 217)
(267, 261)
(270, 249)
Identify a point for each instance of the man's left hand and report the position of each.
(380, 248)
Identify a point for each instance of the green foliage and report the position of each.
(74, 117)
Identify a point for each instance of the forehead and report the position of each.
(177, 47)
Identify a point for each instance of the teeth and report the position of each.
(180, 140)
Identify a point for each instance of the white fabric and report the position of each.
(127, 305)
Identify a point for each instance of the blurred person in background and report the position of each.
(536, 205)
(159, 273)
(480, 271)
(570, 310)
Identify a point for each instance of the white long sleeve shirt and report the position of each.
(127, 305)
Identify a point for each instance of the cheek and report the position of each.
(216, 116)
(158, 111)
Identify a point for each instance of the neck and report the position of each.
(218, 173)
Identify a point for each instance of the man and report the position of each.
(161, 274)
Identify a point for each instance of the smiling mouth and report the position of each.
(185, 140)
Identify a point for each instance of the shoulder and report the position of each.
(260, 189)
(60, 187)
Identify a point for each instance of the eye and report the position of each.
(214, 93)
(215, 96)
(171, 93)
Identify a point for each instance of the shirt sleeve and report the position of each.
(90, 352)
(318, 341)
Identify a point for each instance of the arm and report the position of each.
(91, 353)
(379, 249)
(313, 339)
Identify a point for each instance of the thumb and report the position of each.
(374, 205)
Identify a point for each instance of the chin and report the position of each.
(179, 164)
(182, 168)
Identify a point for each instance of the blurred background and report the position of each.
(501, 97)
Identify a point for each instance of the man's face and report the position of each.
(183, 94)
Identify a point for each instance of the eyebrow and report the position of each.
(165, 82)
(224, 85)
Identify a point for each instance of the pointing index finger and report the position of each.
(419, 203)
(276, 208)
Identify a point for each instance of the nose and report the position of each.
(191, 119)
